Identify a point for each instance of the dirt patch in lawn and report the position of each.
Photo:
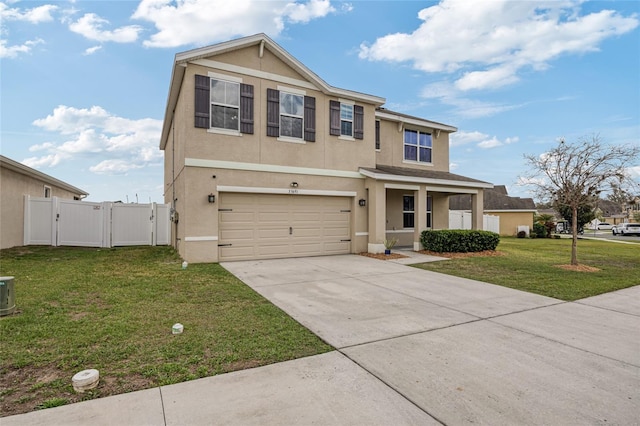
(383, 256)
(27, 388)
(578, 268)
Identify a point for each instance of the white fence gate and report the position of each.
(459, 219)
(59, 222)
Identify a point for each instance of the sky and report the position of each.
(84, 84)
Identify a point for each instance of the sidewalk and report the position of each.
(413, 347)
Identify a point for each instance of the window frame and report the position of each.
(47, 191)
(213, 103)
(417, 147)
(406, 213)
(346, 107)
(281, 114)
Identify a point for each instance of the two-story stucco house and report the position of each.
(264, 159)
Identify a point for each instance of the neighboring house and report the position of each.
(263, 159)
(18, 180)
(513, 211)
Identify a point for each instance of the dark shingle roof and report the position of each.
(425, 174)
(494, 199)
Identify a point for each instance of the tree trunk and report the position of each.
(574, 231)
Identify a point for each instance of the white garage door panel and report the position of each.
(260, 226)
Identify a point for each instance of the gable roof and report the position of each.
(387, 114)
(403, 174)
(495, 199)
(261, 41)
(8, 163)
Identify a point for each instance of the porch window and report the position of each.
(417, 146)
(408, 211)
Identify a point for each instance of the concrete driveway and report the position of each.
(413, 348)
(463, 351)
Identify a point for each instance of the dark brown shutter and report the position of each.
(203, 101)
(377, 134)
(334, 118)
(273, 113)
(358, 122)
(246, 108)
(309, 119)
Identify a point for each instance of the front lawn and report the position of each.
(533, 265)
(113, 310)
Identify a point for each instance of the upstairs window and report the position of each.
(225, 105)
(377, 134)
(346, 119)
(291, 115)
(417, 146)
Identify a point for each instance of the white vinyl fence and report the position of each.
(459, 219)
(59, 222)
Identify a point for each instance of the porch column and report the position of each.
(419, 216)
(477, 210)
(377, 216)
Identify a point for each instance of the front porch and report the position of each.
(403, 202)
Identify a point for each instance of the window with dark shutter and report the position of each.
(273, 113)
(377, 134)
(202, 102)
(334, 118)
(358, 122)
(309, 119)
(246, 108)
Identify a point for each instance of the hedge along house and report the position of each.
(263, 159)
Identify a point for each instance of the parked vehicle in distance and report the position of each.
(626, 229)
(604, 226)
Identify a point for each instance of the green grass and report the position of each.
(113, 310)
(532, 265)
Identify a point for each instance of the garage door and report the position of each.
(262, 226)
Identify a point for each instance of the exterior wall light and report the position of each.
(362, 202)
(211, 198)
(294, 184)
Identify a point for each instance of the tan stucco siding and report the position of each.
(199, 228)
(509, 221)
(13, 187)
(391, 151)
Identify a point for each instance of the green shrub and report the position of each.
(539, 230)
(459, 240)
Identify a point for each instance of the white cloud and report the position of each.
(90, 26)
(304, 12)
(453, 166)
(464, 138)
(448, 94)
(490, 42)
(117, 144)
(35, 15)
(193, 22)
(15, 50)
(113, 167)
(481, 140)
(92, 50)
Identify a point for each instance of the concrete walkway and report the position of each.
(413, 347)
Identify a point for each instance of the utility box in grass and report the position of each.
(7, 296)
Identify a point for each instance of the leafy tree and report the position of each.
(548, 221)
(574, 174)
(586, 214)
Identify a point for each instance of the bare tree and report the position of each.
(575, 174)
